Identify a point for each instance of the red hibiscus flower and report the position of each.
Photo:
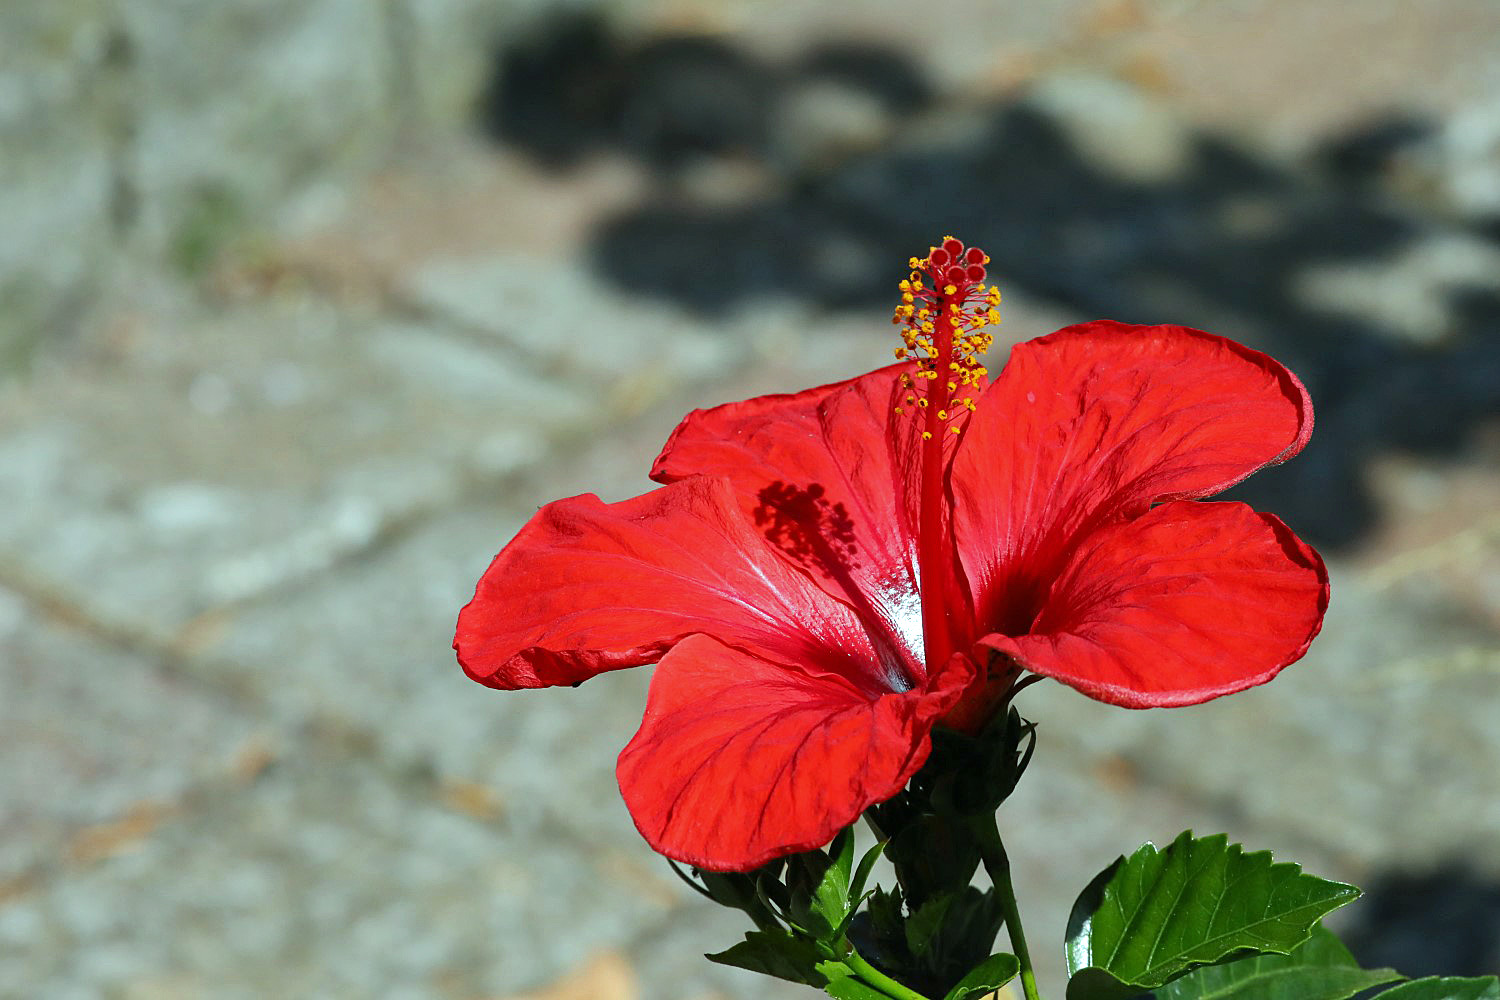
(828, 575)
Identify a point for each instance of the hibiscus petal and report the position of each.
(818, 473)
(740, 760)
(1183, 604)
(1098, 421)
(587, 587)
(763, 439)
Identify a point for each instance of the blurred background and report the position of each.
(306, 305)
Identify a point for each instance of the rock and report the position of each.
(1114, 127)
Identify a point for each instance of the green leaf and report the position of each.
(775, 953)
(1150, 918)
(832, 970)
(1319, 968)
(924, 925)
(1445, 988)
(991, 974)
(853, 989)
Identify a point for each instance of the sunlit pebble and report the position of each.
(284, 384)
(211, 394)
(12, 614)
(176, 508)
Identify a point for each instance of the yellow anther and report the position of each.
(920, 312)
(927, 435)
(954, 428)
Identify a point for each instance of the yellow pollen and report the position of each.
(962, 310)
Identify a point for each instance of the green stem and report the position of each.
(879, 979)
(997, 863)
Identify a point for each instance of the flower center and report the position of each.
(944, 312)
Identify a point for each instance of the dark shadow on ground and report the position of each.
(1444, 922)
(1223, 244)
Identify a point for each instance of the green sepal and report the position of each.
(1319, 968)
(740, 891)
(1157, 915)
(830, 900)
(1445, 988)
(817, 888)
(776, 953)
(879, 931)
(866, 866)
(987, 977)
